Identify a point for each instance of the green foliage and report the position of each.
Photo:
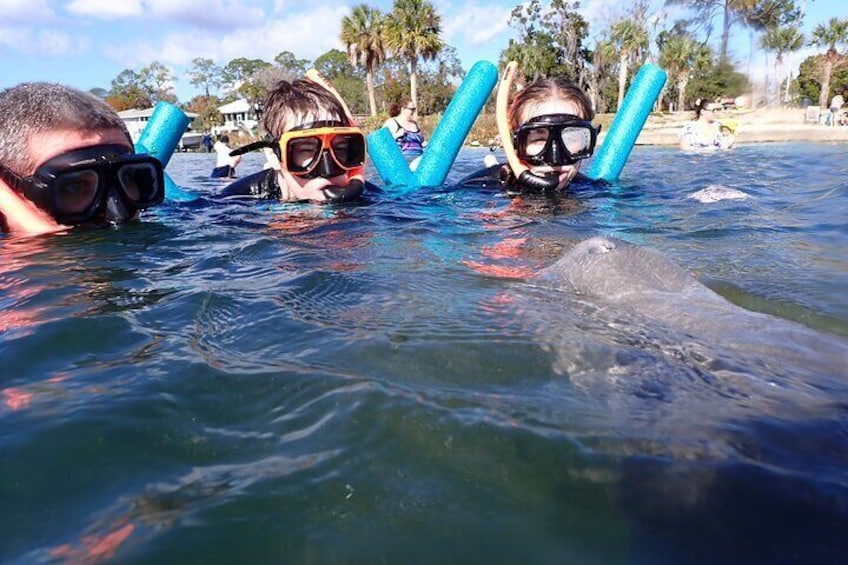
(206, 108)
(288, 61)
(142, 89)
(808, 83)
(550, 41)
(335, 63)
(206, 75)
(720, 80)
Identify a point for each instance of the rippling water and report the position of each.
(391, 382)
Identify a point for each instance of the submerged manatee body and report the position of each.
(625, 280)
(729, 426)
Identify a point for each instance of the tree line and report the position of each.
(399, 54)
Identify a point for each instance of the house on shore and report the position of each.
(238, 116)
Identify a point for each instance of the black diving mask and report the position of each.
(79, 185)
(555, 140)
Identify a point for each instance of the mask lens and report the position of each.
(577, 141)
(76, 192)
(348, 149)
(536, 140)
(302, 153)
(140, 183)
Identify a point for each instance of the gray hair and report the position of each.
(34, 108)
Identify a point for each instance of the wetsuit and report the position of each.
(265, 185)
(491, 177)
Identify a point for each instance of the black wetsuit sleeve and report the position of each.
(258, 185)
(484, 178)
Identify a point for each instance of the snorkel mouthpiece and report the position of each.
(338, 194)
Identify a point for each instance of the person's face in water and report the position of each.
(298, 188)
(553, 106)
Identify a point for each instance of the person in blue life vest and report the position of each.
(67, 159)
(546, 132)
(317, 152)
(405, 129)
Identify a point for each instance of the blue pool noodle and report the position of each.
(160, 138)
(628, 122)
(387, 158)
(454, 126)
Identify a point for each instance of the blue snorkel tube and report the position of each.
(160, 138)
(628, 123)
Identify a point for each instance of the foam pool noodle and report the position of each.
(628, 122)
(454, 126)
(387, 158)
(160, 138)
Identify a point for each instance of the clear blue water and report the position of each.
(389, 382)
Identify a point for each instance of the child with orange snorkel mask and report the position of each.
(67, 159)
(319, 151)
(546, 131)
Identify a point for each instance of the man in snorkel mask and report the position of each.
(318, 153)
(67, 159)
(546, 131)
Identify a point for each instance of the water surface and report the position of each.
(389, 382)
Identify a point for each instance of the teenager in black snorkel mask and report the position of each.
(546, 133)
(316, 152)
(66, 159)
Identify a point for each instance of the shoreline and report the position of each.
(754, 126)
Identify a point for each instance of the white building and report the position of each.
(237, 116)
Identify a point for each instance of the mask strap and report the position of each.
(520, 170)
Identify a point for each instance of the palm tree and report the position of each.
(362, 33)
(829, 36)
(781, 40)
(412, 32)
(630, 39)
(680, 56)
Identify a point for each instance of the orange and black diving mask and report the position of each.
(97, 183)
(325, 149)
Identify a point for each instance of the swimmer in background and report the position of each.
(66, 159)
(726, 134)
(546, 132)
(225, 166)
(702, 132)
(320, 152)
(405, 129)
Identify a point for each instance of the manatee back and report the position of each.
(608, 267)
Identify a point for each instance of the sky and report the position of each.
(87, 43)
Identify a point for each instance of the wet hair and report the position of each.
(394, 110)
(702, 105)
(294, 101)
(36, 108)
(544, 89)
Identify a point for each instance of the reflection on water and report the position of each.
(394, 381)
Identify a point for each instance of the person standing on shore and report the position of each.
(836, 104)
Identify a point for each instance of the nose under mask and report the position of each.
(117, 211)
(326, 168)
